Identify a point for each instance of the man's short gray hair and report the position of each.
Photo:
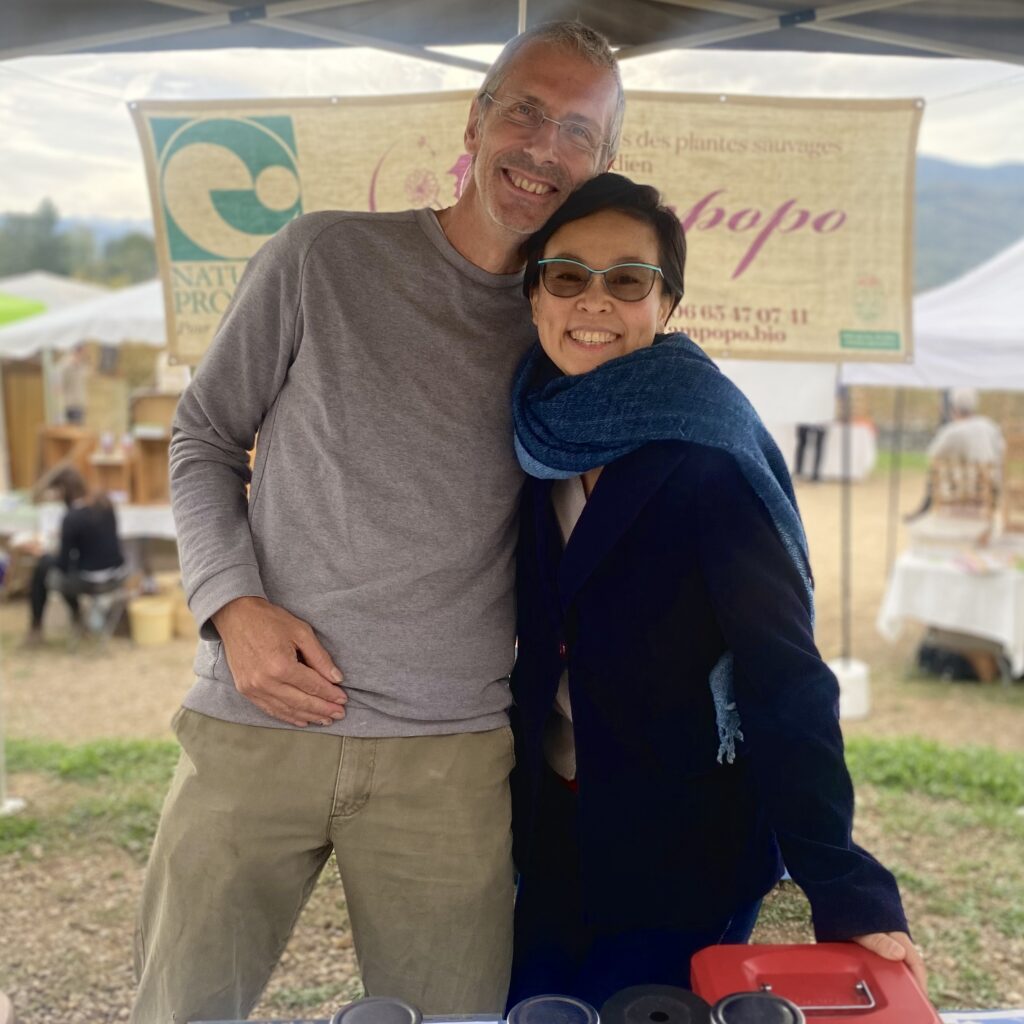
(964, 401)
(575, 37)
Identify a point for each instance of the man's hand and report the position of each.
(278, 663)
(896, 946)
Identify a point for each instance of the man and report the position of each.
(374, 354)
(969, 438)
(968, 435)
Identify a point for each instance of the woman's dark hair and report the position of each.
(70, 485)
(616, 192)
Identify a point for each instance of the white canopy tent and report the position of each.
(968, 333)
(134, 314)
(980, 30)
(52, 290)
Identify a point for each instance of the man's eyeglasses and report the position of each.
(528, 115)
(629, 282)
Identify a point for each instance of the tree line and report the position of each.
(36, 241)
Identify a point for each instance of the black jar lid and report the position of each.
(756, 1008)
(655, 1004)
(553, 1010)
(377, 1010)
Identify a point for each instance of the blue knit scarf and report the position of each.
(671, 391)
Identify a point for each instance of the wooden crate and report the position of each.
(153, 409)
(72, 443)
(111, 474)
(150, 483)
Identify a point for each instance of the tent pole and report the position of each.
(829, 21)
(764, 20)
(846, 485)
(933, 47)
(371, 42)
(51, 410)
(895, 470)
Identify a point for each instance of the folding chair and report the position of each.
(101, 607)
(963, 512)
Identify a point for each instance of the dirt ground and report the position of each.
(65, 927)
(129, 691)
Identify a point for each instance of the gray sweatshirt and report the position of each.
(376, 364)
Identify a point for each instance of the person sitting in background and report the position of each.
(89, 559)
(969, 437)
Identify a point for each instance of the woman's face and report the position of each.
(582, 332)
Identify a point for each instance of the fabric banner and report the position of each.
(798, 213)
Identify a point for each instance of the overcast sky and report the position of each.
(65, 130)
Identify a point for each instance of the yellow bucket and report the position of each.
(184, 622)
(152, 620)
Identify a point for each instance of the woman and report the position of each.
(89, 560)
(677, 731)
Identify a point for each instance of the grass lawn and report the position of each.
(906, 460)
(13, 308)
(948, 821)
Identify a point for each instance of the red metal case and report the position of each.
(832, 982)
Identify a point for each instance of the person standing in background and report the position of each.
(71, 372)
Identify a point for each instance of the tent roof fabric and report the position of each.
(992, 29)
(52, 290)
(968, 333)
(134, 314)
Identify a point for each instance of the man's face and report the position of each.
(522, 175)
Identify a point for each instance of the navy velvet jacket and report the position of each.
(674, 561)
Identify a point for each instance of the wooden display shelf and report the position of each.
(111, 473)
(153, 409)
(68, 444)
(151, 485)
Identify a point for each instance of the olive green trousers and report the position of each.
(421, 828)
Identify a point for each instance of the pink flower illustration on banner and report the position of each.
(421, 187)
(460, 169)
(869, 297)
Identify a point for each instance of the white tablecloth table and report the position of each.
(938, 589)
(863, 451)
(134, 522)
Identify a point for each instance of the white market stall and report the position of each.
(52, 291)
(134, 314)
(22, 395)
(968, 333)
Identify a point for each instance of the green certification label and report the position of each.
(885, 340)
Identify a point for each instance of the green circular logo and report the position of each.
(226, 184)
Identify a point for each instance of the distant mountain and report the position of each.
(105, 229)
(964, 215)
